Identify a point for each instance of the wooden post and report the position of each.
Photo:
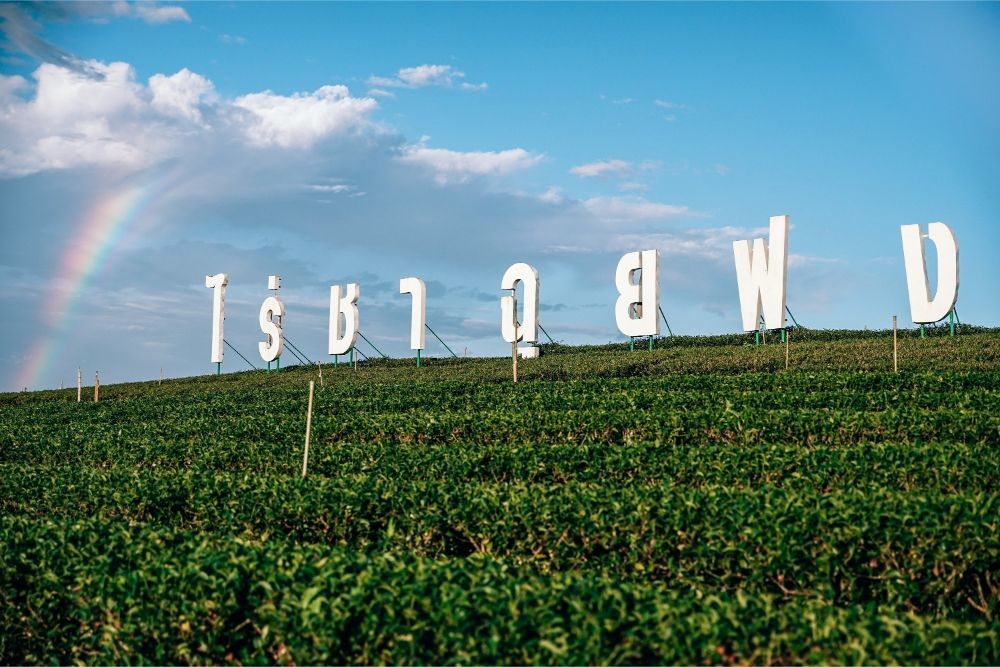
(309, 419)
(79, 384)
(513, 345)
(895, 352)
(97, 386)
(161, 375)
(788, 335)
(320, 366)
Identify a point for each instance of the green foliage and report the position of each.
(694, 504)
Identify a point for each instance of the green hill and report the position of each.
(694, 504)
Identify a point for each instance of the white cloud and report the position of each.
(75, 118)
(668, 105)
(632, 187)
(633, 209)
(302, 119)
(232, 39)
(150, 12)
(421, 76)
(619, 100)
(378, 92)
(552, 195)
(455, 166)
(602, 168)
(721, 169)
(64, 95)
(98, 114)
(180, 94)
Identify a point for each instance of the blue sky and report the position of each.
(368, 142)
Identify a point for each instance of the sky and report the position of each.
(144, 146)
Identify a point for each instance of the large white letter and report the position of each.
(218, 284)
(762, 276)
(418, 312)
(922, 309)
(632, 318)
(528, 329)
(274, 345)
(340, 343)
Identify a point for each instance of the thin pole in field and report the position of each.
(309, 419)
(97, 386)
(320, 367)
(788, 335)
(513, 345)
(895, 353)
(161, 375)
(79, 384)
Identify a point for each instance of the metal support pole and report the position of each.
(350, 358)
(797, 325)
(669, 330)
(277, 361)
(303, 358)
(370, 343)
(418, 357)
(951, 321)
(650, 343)
(756, 337)
(440, 341)
(240, 355)
(631, 343)
(782, 335)
(921, 330)
(545, 332)
(218, 370)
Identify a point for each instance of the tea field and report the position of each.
(697, 503)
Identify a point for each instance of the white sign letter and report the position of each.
(528, 329)
(762, 276)
(218, 284)
(274, 345)
(632, 318)
(922, 309)
(418, 312)
(340, 343)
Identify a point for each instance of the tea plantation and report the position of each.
(692, 504)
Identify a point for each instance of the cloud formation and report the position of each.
(422, 76)
(602, 168)
(450, 166)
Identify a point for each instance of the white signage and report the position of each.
(527, 329)
(346, 309)
(218, 284)
(418, 310)
(638, 305)
(762, 276)
(923, 309)
(274, 343)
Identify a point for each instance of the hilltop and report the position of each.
(695, 503)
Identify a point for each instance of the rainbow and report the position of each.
(97, 234)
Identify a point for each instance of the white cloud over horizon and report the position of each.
(422, 76)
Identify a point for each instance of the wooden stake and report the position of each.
(79, 384)
(97, 386)
(895, 352)
(513, 345)
(320, 366)
(788, 334)
(309, 420)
